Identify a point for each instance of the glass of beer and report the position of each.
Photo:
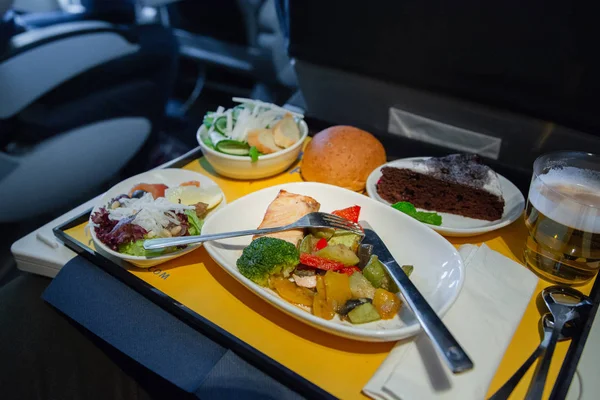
(563, 217)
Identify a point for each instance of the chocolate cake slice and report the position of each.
(456, 184)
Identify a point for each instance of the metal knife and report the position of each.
(456, 358)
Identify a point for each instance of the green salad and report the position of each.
(252, 128)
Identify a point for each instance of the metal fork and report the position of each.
(312, 220)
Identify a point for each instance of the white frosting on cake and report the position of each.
(492, 184)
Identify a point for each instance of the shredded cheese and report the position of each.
(154, 215)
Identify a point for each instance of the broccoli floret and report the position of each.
(268, 256)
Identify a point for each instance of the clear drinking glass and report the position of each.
(563, 217)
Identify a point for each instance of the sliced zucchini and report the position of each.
(364, 253)
(352, 304)
(233, 147)
(338, 252)
(376, 273)
(361, 287)
(346, 238)
(364, 313)
(308, 244)
(325, 233)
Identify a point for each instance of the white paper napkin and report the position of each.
(483, 319)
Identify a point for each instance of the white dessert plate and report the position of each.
(456, 225)
(438, 269)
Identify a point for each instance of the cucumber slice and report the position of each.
(233, 147)
(221, 125)
(215, 137)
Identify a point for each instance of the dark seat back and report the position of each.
(537, 58)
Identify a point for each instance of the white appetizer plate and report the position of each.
(438, 269)
(170, 177)
(456, 225)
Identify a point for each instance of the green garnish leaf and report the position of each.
(254, 153)
(431, 218)
(405, 207)
(208, 119)
(137, 249)
(195, 223)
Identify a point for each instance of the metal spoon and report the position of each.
(566, 304)
(546, 325)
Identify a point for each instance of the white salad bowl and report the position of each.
(242, 167)
(438, 268)
(170, 177)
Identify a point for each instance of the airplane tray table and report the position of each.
(198, 291)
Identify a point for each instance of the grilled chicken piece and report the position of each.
(286, 209)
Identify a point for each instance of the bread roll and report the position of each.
(342, 156)
(286, 132)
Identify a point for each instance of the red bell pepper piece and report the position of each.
(349, 270)
(320, 262)
(350, 213)
(321, 244)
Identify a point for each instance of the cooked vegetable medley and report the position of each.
(328, 271)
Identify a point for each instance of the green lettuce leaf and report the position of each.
(208, 142)
(254, 153)
(431, 218)
(208, 119)
(195, 223)
(137, 249)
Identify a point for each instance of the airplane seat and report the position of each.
(272, 35)
(80, 100)
(113, 11)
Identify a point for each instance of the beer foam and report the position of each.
(570, 196)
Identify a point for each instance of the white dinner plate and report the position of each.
(456, 225)
(168, 176)
(438, 269)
